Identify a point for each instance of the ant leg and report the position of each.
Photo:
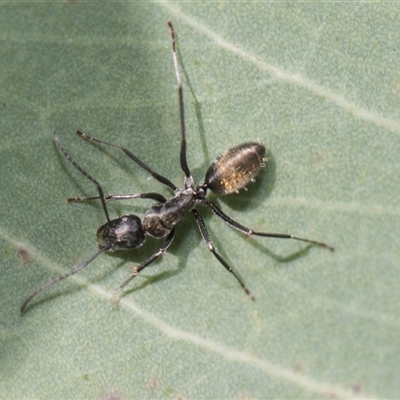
(83, 172)
(217, 211)
(60, 278)
(207, 239)
(154, 196)
(167, 241)
(137, 160)
(183, 160)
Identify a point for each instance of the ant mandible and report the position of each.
(230, 172)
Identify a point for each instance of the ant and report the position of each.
(230, 172)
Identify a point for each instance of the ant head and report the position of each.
(124, 233)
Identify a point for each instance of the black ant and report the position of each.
(229, 173)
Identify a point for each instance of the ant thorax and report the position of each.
(160, 219)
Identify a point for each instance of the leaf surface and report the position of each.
(318, 84)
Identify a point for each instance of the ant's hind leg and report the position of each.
(218, 212)
(183, 160)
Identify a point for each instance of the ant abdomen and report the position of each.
(235, 168)
(123, 233)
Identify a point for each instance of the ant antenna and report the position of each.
(60, 278)
(83, 172)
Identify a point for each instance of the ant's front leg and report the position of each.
(168, 240)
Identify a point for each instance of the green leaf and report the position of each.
(318, 84)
